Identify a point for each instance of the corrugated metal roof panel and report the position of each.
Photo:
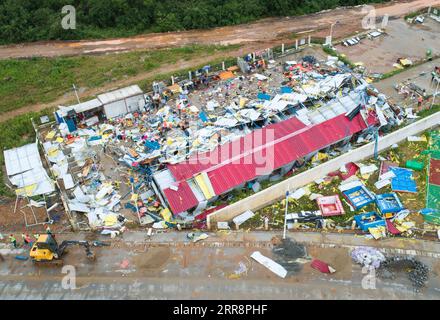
(120, 94)
(181, 199)
(292, 141)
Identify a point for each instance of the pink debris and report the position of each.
(322, 266)
(391, 228)
(125, 263)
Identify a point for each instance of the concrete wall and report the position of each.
(267, 196)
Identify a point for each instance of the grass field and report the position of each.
(42, 80)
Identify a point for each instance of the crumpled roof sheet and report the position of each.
(24, 169)
(22, 159)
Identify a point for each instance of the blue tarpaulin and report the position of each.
(369, 220)
(203, 116)
(263, 96)
(389, 203)
(403, 181)
(286, 90)
(154, 145)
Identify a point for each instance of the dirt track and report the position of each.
(262, 34)
(263, 30)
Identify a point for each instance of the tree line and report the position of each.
(31, 20)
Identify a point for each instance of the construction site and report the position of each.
(296, 165)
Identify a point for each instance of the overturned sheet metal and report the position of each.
(276, 268)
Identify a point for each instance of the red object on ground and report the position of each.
(205, 213)
(434, 172)
(352, 169)
(391, 228)
(320, 265)
(330, 206)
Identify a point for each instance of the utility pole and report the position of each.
(331, 31)
(435, 93)
(76, 93)
(285, 215)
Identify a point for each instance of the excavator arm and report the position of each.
(61, 249)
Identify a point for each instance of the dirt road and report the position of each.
(255, 36)
(220, 267)
(263, 30)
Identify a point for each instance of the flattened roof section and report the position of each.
(181, 199)
(245, 159)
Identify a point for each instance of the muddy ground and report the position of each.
(263, 30)
(215, 269)
(402, 40)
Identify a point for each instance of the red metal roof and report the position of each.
(182, 199)
(200, 162)
(295, 146)
(259, 153)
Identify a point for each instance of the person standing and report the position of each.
(25, 239)
(48, 231)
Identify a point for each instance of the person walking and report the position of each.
(13, 240)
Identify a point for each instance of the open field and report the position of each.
(43, 80)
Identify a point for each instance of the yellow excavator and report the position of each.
(47, 251)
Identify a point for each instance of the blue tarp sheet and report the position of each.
(154, 145)
(203, 116)
(286, 90)
(403, 181)
(263, 96)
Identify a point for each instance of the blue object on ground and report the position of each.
(403, 180)
(359, 196)
(203, 116)
(22, 258)
(286, 90)
(365, 221)
(94, 138)
(153, 145)
(128, 205)
(389, 203)
(263, 96)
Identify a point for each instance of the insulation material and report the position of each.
(238, 220)
(276, 268)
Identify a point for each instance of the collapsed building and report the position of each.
(130, 154)
(270, 151)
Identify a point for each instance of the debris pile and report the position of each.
(289, 254)
(368, 257)
(417, 271)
